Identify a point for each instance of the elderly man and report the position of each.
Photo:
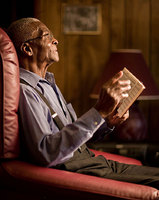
(51, 134)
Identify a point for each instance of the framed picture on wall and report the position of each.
(81, 19)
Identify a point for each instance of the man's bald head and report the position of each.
(22, 30)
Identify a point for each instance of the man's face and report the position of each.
(44, 45)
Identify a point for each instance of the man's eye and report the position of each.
(45, 35)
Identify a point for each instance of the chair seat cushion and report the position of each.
(84, 185)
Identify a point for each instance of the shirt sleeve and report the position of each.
(101, 132)
(47, 145)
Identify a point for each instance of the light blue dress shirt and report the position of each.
(45, 144)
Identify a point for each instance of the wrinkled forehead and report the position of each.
(38, 29)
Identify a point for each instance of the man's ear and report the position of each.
(26, 49)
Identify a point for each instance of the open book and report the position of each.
(136, 88)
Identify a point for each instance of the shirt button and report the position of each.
(96, 123)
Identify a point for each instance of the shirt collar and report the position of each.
(50, 78)
(33, 78)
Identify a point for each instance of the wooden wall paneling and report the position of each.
(85, 56)
(138, 25)
(96, 49)
(72, 61)
(74, 48)
(118, 24)
(137, 36)
(39, 10)
(154, 39)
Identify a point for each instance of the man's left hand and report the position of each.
(114, 119)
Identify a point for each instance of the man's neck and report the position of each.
(33, 67)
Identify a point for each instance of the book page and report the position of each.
(136, 88)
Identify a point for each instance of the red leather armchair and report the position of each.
(21, 180)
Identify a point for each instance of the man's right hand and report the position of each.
(112, 92)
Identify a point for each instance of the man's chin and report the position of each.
(55, 59)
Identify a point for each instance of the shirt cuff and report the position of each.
(93, 119)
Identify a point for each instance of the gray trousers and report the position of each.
(85, 162)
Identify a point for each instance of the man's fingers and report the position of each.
(122, 90)
(113, 80)
(117, 76)
(112, 93)
(126, 88)
(124, 95)
(124, 82)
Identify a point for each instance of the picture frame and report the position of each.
(81, 19)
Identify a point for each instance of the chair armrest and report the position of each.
(119, 158)
(82, 185)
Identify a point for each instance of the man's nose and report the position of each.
(54, 41)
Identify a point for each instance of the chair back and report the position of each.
(9, 98)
